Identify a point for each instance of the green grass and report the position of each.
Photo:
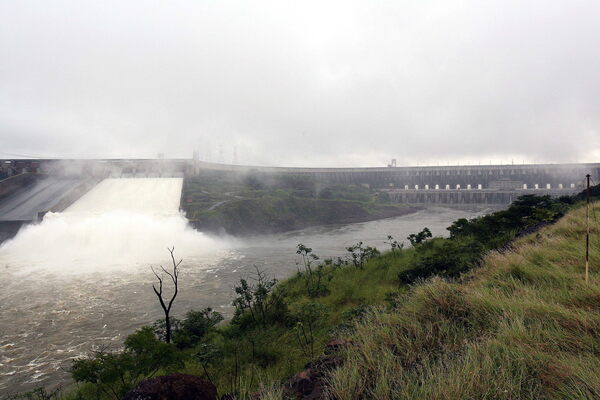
(277, 346)
(523, 326)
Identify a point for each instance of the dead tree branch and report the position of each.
(174, 275)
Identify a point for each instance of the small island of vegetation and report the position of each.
(262, 203)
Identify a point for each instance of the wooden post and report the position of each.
(587, 233)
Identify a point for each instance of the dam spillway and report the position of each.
(121, 221)
(155, 196)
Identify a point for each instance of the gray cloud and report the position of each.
(303, 83)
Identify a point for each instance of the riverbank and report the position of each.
(250, 206)
(268, 215)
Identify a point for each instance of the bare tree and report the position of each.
(159, 292)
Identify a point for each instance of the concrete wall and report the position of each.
(9, 229)
(74, 194)
(543, 178)
(483, 196)
(15, 182)
(489, 177)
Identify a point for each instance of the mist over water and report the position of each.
(118, 224)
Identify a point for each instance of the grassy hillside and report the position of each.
(523, 326)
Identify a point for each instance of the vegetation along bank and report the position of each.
(261, 204)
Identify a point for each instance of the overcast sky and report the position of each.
(348, 83)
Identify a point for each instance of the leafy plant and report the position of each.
(114, 373)
(395, 245)
(359, 254)
(307, 317)
(314, 277)
(419, 238)
(195, 326)
(257, 300)
(36, 394)
(206, 355)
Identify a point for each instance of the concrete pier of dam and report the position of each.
(25, 198)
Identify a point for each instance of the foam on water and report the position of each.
(119, 223)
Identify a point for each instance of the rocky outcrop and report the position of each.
(173, 387)
(311, 384)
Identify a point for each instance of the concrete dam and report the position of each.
(30, 188)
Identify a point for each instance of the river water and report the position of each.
(69, 286)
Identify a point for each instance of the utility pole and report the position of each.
(587, 233)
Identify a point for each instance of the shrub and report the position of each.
(258, 303)
(447, 258)
(307, 316)
(359, 254)
(395, 245)
(114, 373)
(195, 326)
(314, 277)
(419, 238)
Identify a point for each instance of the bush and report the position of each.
(114, 373)
(36, 394)
(469, 239)
(307, 317)
(195, 326)
(258, 302)
(314, 277)
(444, 257)
(419, 238)
(360, 255)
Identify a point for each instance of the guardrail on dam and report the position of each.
(488, 184)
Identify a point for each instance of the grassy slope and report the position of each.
(524, 326)
(267, 355)
(277, 345)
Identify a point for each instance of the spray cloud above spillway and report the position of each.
(120, 222)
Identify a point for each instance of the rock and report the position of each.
(310, 384)
(173, 387)
(336, 344)
(324, 364)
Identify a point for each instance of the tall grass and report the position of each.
(525, 325)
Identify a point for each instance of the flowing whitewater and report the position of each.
(118, 223)
(81, 279)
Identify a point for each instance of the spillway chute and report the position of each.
(120, 223)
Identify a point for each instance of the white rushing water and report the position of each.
(118, 223)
